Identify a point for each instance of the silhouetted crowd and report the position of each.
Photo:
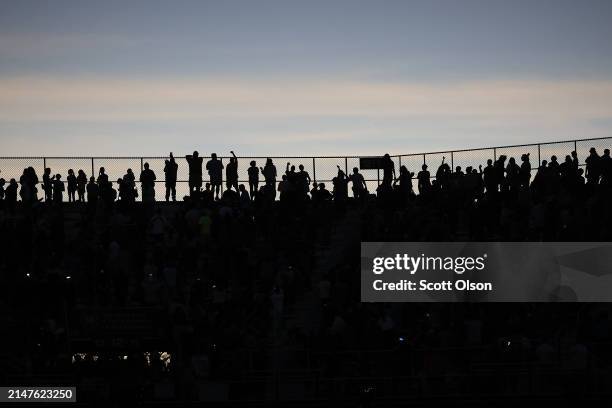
(241, 283)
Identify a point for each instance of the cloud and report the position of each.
(35, 99)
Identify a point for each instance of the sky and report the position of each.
(300, 77)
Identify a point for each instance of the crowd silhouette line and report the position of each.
(503, 175)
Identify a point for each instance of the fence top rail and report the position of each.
(304, 157)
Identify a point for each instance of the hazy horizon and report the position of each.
(271, 78)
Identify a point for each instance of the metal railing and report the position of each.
(321, 168)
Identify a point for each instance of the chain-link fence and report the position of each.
(321, 169)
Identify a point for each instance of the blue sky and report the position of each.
(300, 77)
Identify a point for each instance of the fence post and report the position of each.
(44, 164)
(378, 176)
(576, 147)
(346, 166)
(424, 161)
(141, 164)
(494, 154)
(314, 170)
(93, 171)
(452, 163)
(400, 161)
(539, 158)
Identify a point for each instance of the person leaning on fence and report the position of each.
(170, 170)
(195, 172)
(147, 181)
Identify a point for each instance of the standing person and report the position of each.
(525, 171)
(58, 189)
(195, 172)
(215, 171)
(424, 180)
(269, 173)
(388, 170)
(359, 185)
(170, 169)
(81, 185)
(147, 181)
(592, 167)
(304, 181)
(93, 192)
(231, 172)
(2, 184)
(47, 184)
(253, 179)
(10, 195)
(72, 186)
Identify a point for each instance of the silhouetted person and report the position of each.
(215, 171)
(303, 180)
(269, 173)
(253, 172)
(245, 199)
(2, 189)
(340, 183)
(58, 189)
(285, 188)
(231, 172)
(72, 186)
(170, 170)
(592, 167)
(207, 194)
(47, 184)
(11, 195)
(525, 171)
(404, 182)
(490, 178)
(93, 192)
(605, 165)
(513, 175)
(424, 180)
(359, 186)
(195, 172)
(323, 194)
(81, 185)
(388, 170)
(147, 182)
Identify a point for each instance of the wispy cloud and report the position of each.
(27, 99)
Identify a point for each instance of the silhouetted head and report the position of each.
(489, 162)
(314, 185)
(92, 179)
(386, 156)
(458, 169)
(47, 170)
(13, 181)
(574, 154)
(553, 158)
(58, 176)
(301, 167)
(321, 186)
(268, 161)
(253, 163)
(580, 172)
(355, 170)
(606, 152)
(241, 187)
(592, 150)
(2, 182)
(568, 159)
(512, 161)
(544, 163)
(70, 171)
(292, 168)
(213, 156)
(524, 157)
(119, 180)
(424, 167)
(284, 177)
(102, 170)
(146, 166)
(195, 153)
